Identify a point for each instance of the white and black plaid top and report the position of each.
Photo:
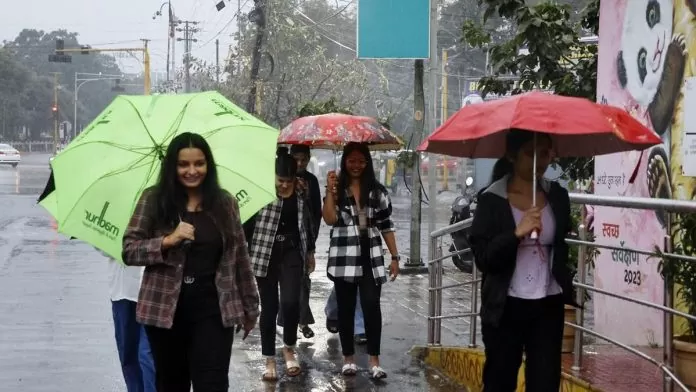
(261, 231)
(344, 248)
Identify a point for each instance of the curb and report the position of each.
(464, 367)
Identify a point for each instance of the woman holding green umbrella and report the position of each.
(198, 282)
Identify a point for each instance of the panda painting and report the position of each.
(650, 67)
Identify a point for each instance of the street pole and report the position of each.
(169, 35)
(74, 130)
(77, 86)
(217, 62)
(146, 65)
(443, 112)
(188, 38)
(432, 121)
(56, 112)
(256, 56)
(416, 194)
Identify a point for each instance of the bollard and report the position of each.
(431, 293)
(438, 295)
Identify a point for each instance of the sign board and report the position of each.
(393, 29)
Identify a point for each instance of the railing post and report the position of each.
(668, 323)
(474, 306)
(431, 293)
(580, 298)
(438, 294)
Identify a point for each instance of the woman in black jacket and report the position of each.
(525, 282)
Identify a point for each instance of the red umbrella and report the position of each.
(333, 131)
(578, 127)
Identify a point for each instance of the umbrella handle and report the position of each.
(535, 234)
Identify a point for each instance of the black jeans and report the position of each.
(195, 352)
(534, 327)
(370, 294)
(285, 270)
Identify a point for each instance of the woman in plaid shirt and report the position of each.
(198, 282)
(281, 246)
(358, 208)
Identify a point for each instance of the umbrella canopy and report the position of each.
(100, 176)
(578, 127)
(335, 130)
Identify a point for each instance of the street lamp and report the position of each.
(90, 78)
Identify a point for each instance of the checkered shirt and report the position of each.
(344, 247)
(267, 222)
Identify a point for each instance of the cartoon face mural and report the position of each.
(647, 30)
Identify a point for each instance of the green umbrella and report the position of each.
(101, 174)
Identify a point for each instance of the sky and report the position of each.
(122, 23)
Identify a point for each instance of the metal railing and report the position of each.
(436, 288)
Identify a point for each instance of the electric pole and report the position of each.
(54, 111)
(258, 15)
(188, 31)
(217, 61)
(432, 123)
(416, 194)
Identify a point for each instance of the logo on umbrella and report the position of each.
(242, 198)
(101, 225)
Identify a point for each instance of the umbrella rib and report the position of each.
(243, 177)
(124, 147)
(109, 174)
(142, 122)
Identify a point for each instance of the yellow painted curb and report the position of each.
(464, 366)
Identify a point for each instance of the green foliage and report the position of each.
(554, 59)
(325, 107)
(682, 272)
(27, 94)
(407, 159)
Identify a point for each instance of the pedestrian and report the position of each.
(310, 185)
(131, 341)
(198, 281)
(281, 246)
(359, 209)
(331, 312)
(525, 281)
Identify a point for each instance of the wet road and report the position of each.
(56, 330)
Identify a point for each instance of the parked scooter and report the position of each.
(463, 208)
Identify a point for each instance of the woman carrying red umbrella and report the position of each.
(527, 281)
(518, 233)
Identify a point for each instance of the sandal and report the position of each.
(332, 325)
(377, 373)
(307, 332)
(269, 375)
(349, 369)
(292, 368)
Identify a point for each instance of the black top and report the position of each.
(199, 296)
(204, 253)
(314, 199)
(494, 244)
(289, 225)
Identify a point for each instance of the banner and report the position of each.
(644, 66)
(393, 29)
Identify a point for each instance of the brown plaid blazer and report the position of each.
(161, 285)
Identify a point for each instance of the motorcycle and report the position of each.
(463, 208)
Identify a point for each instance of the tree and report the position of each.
(308, 57)
(555, 59)
(30, 50)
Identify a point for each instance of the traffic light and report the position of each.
(54, 111)
(59, 56)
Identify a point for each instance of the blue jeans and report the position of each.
(331, 311)
(133, 348)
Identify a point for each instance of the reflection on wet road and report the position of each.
(56, 328)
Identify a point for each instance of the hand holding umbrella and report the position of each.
(183, 232)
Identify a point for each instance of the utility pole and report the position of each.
(432, 121)
(217, 61)
(54, 110)
(188, 31)
(258, 15)
(443, 111)
(416, 194)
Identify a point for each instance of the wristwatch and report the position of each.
(396, 258)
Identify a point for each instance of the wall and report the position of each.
(624, 81)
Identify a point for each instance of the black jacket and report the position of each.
(314, 199)
(494, 244)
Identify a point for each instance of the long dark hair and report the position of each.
(171, 194)
(514, 140)
(368, 180)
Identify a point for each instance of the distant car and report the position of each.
(9, 155)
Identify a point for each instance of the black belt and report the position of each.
(287, 238)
